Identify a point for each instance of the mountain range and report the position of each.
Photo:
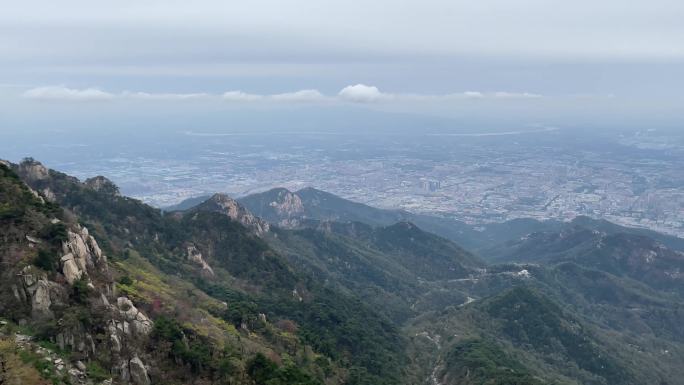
(306, 287)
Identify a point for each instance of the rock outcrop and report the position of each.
(33, 170)
(102, 184)
(70, 269)
(279, 205)
(226, 205)
(195, 256)
(36, 290)
(40, 303)
(138, 372)
(287, 204)
(81, 252)
(134, 322)
(76, 339)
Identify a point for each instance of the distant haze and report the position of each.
(579, 63)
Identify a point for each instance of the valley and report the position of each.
(305, 287)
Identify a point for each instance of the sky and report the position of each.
(523, 62)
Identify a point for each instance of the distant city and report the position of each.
(634, 180)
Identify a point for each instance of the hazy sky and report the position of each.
(544, 61)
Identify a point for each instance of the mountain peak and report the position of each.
(224, 204)
(221, 197)
(404, 225)
(102, 184)
(278, 205)
(33, 170)
(310, 189)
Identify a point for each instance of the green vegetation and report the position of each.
(46, 260)
(55, 233)
(80, 291)
(342, 328)
(529, 318)
(482, 362)
(186, 347)
(265, 372)
(43, 368)
(334, 303)
(96, 372)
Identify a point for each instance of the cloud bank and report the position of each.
(357, 94)
(361, 93)
(68, 94)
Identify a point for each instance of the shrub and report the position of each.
(265, 372)
(126, 280)
(96, 372)
(55, 233)
(80, 291)
(46, 260)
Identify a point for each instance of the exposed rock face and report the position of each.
(224, 204)
(122, 324)
(33, 170)
(33, 239)
(35, 194)
(128, 323)
(287, 204)
(70, 269)
(138, 372)
(195, 256)
(49, 195)
(76, 339)
(288, 208)
(134, 321)
(114, 339)
(102, 184)
(81, 252)
(36, 291)
(278, 205)
(40, 303)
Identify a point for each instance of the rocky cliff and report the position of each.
(61, 286)
(223, 204)
(113, 291)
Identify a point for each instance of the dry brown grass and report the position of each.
(13, 371)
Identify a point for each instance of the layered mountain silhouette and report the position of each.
(306, 287)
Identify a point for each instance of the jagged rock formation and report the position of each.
(195, 256)
(138, 372)
(133, 322)
(102, 184)
(287, 203)
(81, 252)
(36, 290)
(226, 205)
(33, 171)
(59, 282)
(288, 207)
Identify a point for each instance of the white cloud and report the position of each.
(239, 96)
(358, 93)
(473, 94)
(299, 96)
(56, 93)
(516, 95)
(163, 96)
(69, 94)
(361, 93)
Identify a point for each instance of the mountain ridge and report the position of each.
(205, 295)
